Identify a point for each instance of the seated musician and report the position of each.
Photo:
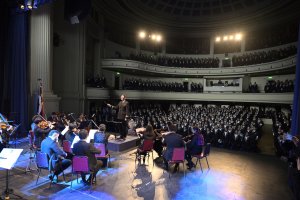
(194, 146)
(82, 148)
(72, 132)
(172, 140)
(51, 147)
(40, 129)
(100, 136)
(145, 134)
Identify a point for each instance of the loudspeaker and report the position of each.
(77, 10)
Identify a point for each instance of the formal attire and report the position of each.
(82, 148)
(39, 134)
(194, 147)
(70, 135)
(56, 154)
(123, 111)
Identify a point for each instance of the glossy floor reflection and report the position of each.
(232, 175)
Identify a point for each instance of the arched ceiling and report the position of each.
(197, 16)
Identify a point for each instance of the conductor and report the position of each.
(123, 113)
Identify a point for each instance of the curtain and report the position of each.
(296, 101)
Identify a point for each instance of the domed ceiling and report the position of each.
(198, 16)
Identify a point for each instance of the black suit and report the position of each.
(123, 107)
(172, 140)
(82, 148)
(52, 149)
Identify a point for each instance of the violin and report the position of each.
(43, 124)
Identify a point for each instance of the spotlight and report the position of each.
(218, 39)
(238, 37)
(29, 4)
(225, 38)
(142, 34)
(158, 38)
(153, 37)
(22, 6)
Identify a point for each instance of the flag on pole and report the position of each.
(40, 102)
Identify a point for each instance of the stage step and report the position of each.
(121, 145)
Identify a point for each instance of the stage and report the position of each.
(232, 175)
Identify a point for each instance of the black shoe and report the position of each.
(50, 176)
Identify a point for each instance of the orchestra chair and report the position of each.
(205, 153)
(43, 162)
(146, 148)
(67, 146)
(178, 157)
(104, 154)
(32, 153)
(80, 164)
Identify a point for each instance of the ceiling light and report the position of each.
(238, 36)
(218, 39)
(142, 34)
(225, 38)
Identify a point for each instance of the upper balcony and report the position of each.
(130, 66)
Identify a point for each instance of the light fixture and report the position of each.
(22, 6)
(142, 34)
(238, 36)
(158, 38)
(225, 38)
(231, 37)
(153, 37)
(29, 4)
(218, 39)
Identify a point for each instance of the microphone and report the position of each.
(93, 115)
(70, 114)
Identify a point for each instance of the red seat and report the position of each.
(103, 154)
(178, 157)
(205, 153)
(67, 146)
(80, 164)
(146, 149)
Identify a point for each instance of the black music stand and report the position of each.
(8, 158)
(14, 133)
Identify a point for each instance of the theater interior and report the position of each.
(174, 99)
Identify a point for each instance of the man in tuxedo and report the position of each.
(172, 140)
(50, 146)
(123, 113)
(82, 148)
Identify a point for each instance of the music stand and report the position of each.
(8, 158)
(13, 133)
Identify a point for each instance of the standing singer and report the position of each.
(123, 113)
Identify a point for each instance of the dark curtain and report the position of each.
(4, 20)
(296, 102)
(14, 92)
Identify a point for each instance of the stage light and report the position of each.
(225, 38)
(158, 38)
(153, 37)
(142, 34)
(238, 36)
(218, 39)
(29, 4)
(22, 6)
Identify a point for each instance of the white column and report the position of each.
(243, 45)
(41, 55)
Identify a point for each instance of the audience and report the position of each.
(139, 84)
(185, 62)
(279, 86)
(96, 81)
(196, 87)
(253, 88)
(263, 56)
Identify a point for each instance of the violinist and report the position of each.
(72, 132)
(40, 129)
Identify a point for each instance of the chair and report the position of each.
(205, 153)
(80, 164)
(146, 148)
(103, 154)
(67, 146)
(178, 157)
(43, 162)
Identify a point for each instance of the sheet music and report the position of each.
(76, 139)
(9, 157)
(88, 139)
(65, 130)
